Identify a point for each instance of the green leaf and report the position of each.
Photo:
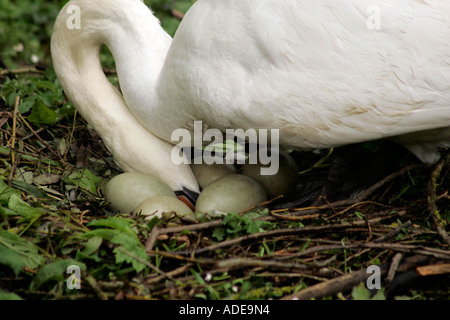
(84, 179)
(90, 249)
(135, 255)
(22, 208)
(119, 231)
(112, 222)
(6, 192)
(43, 84)
(12, 259)
(92, 245)
(252, 227)
(54, 271)
(29, 189)
(17, 252)
(106, 234)
(41, 114)
(219, 233)
(46, 178)
(197, 277)
(9, 296)
(362, 293)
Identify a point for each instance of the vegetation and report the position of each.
(53, 214)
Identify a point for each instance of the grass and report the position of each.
(53, 214)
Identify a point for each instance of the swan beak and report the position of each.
(189, 197)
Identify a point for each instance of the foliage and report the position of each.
(234, 225)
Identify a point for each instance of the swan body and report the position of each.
(314, 70)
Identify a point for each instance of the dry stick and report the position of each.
(172, 273)
(432, 185)
(393, 268)
(334, 286)
(437, 253)
(14, 159)
(176, 256)
(152, 238)
(177, 14)
(93, 283)
(262, 204)
(434, 269)
(148, 264)
(57, 155)
(266, 264)
(366, 193)
(21, 70)
(294, 218)
(346, 282)
(283, 232)
(13, 138)
(13, 169)
(393, 233)
(192, 227)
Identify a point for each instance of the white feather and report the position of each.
(312, 69)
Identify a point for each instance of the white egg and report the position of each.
(127, 190)
(281, 183)
(159, 206)
(207, 173)
(230, 193)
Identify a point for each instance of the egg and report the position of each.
(207, 173)
(164, 206)
(126, 191)
(230, 193)
(281, 183)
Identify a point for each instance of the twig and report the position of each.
(152, 238)
(432, 185)
(405, 248)
(393, 268)
(13, 169)
(192, 227)
(151, 266)
(262, 204)
(294, 218)
(270, 233)
(172, 273)
(366, 193)
(93, 283)
(57, 155)
(21, 70)
(173, 255)
(434, 269)
(334, 286)
(244, 263)
(177, 14)
(13, 138)
(345, 282)
(393, 233)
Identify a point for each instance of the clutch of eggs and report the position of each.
(224, 190)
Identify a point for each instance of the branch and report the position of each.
(439, 222)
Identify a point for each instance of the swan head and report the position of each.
(135, 149)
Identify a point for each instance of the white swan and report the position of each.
(325, 73)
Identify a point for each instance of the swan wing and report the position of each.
(315, 70)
